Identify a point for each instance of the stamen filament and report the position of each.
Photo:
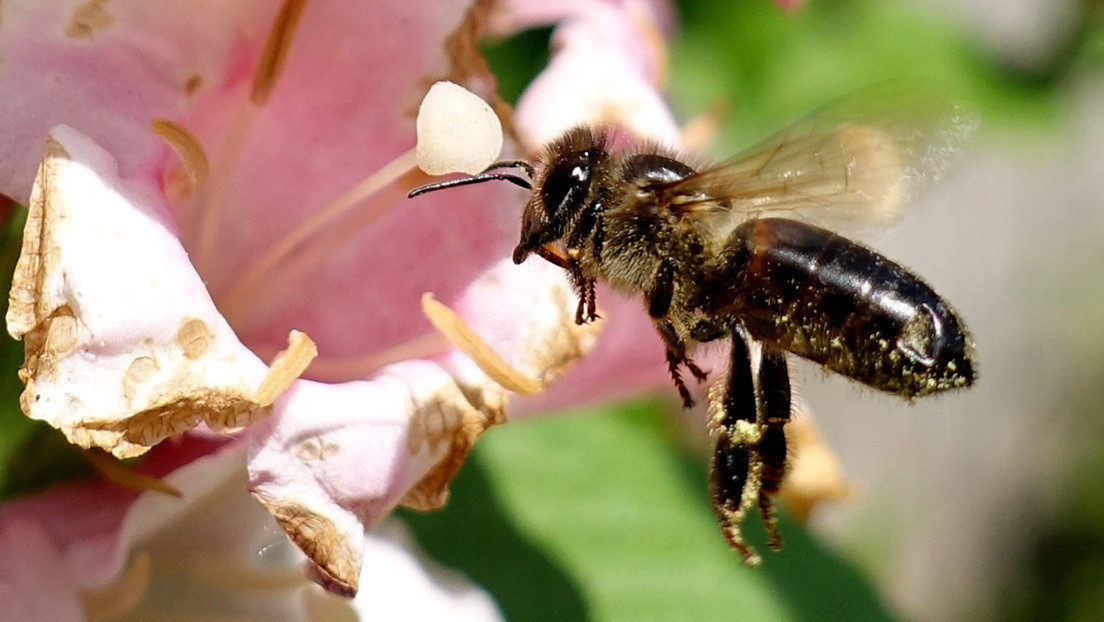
(287, 367)
(112, 469)
(265, 76)
(457, 331)
(209, 213)
(240, 292)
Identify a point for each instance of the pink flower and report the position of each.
(162, 267)
(83, 552)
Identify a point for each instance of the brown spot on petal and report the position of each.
(450, 421)
(316, 450)
(45, 345)
(61, 332)
(194, 338)
(138, 373)
(39, 257)
(133, 436)
(321, 541)
(89, 18)
(193, 84)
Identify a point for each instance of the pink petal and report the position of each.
(107, 69)
(124, 346)
(30, 575)
(334, 459)
(608, 64)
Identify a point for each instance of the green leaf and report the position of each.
(599, 517)
(33, 455)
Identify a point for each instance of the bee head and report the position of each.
(559, 195)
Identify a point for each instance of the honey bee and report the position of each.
(736, 250)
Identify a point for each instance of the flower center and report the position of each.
(309, 243)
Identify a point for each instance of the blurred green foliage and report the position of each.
(598, 517)
(33, 455)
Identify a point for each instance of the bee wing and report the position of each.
(859, 160)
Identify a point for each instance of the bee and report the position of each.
(737, 250)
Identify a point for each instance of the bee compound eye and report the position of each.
(568, 178)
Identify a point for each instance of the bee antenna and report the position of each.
(475, 179)
(522, 164)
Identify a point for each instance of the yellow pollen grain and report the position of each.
(288, 365)
(274, 56)
(461, 335)
(187, 147)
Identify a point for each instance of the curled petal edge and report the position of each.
(123, 345)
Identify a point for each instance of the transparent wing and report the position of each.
(861, 159)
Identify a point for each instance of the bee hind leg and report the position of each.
(749, 459)
(775, 402)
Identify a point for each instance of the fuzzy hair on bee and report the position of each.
(737, 250)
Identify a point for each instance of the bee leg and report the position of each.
(735, 473)
(774, 405)
(588, 225)
(586, 310)
(676, 356)
(749, 461)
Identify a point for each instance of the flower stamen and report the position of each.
(265, 76)
(112, 469)
(461, 335)
(244, 289)
(188, 149)
(286, 368)
(209, 211)
(277, 46)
